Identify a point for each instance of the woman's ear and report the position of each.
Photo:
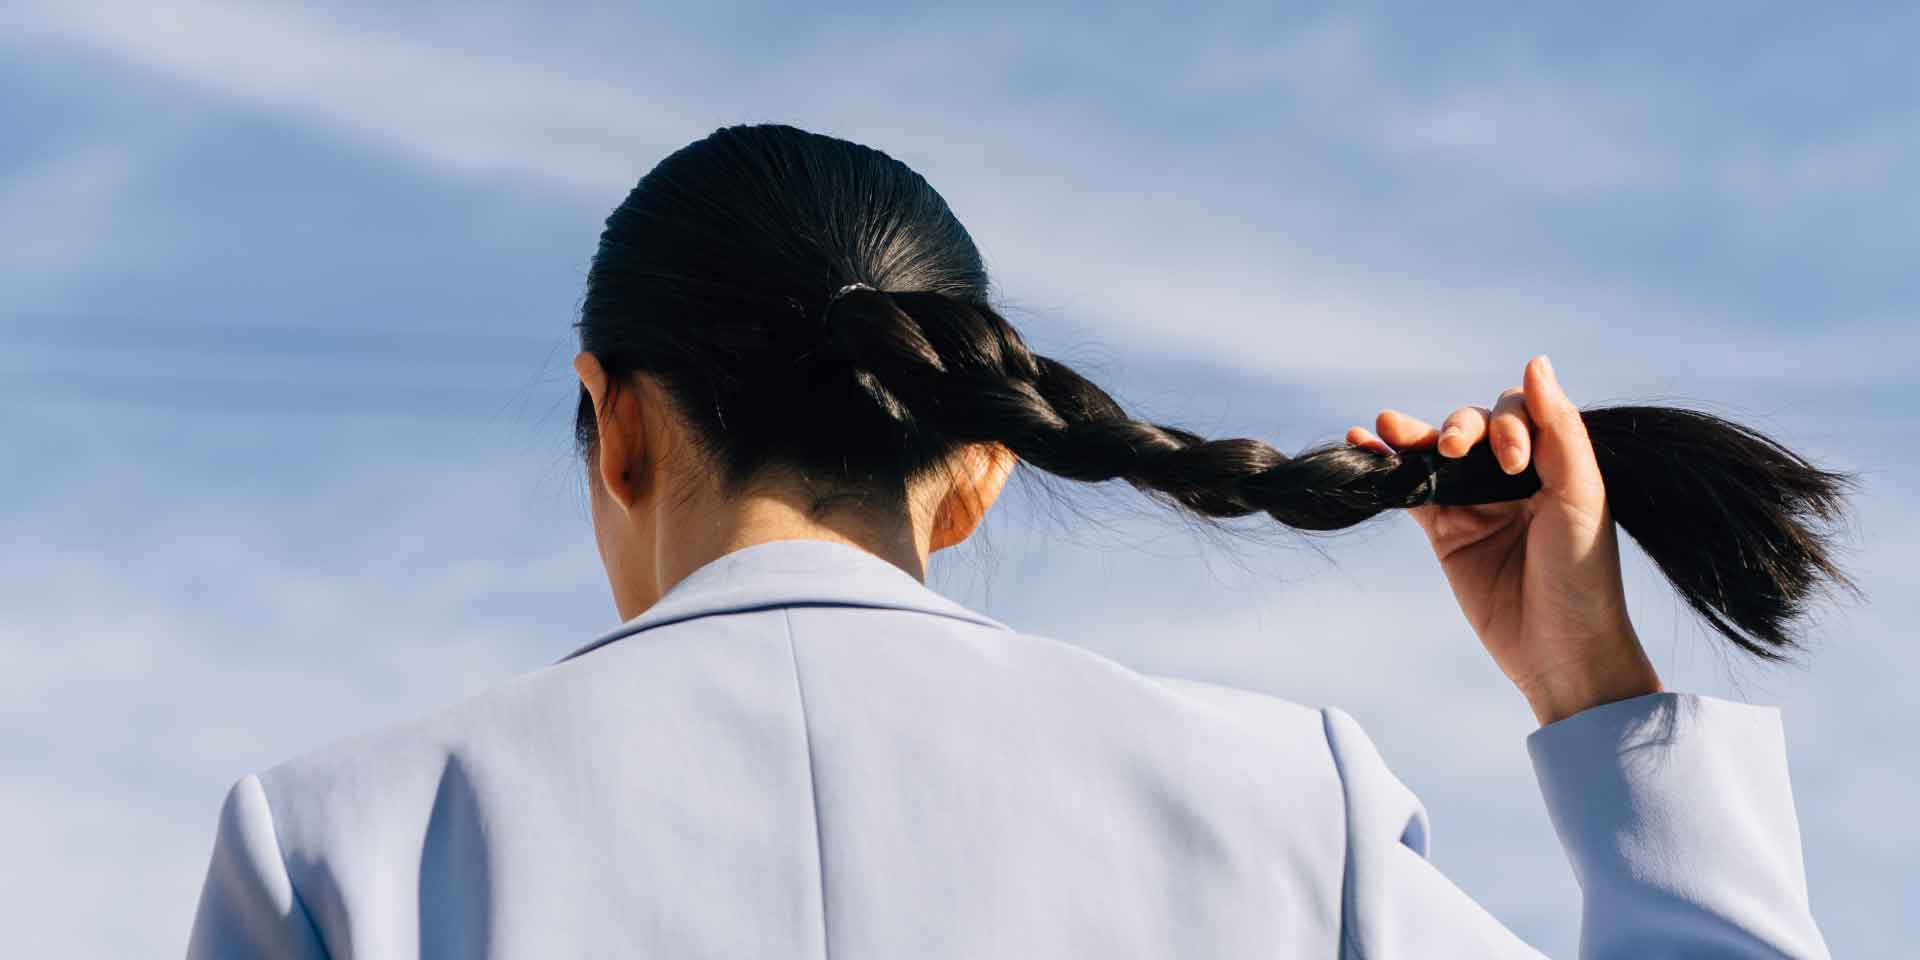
(980, 476)
(621, 432)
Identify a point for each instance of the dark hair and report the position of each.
(722, 276)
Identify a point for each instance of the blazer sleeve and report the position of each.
(1674, 809)
(248, 907)
(1677, 814)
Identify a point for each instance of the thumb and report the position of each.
(1562, 452)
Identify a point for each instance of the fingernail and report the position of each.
(1546, 367)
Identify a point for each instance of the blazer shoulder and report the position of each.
(1379, 806)
(1243, 706)
(401, 765)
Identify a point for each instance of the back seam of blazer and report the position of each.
(1348, 946)
(813, 781)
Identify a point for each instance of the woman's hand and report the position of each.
(1538, 579)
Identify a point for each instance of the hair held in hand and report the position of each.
(813, 303)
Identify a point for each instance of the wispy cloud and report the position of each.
(485, 113)
(57, 211)
(1280, 243)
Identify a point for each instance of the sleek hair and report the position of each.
(725, 274)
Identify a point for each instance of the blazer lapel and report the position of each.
(783, 573)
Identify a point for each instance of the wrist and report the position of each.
(1614, 671)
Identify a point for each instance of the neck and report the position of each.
(691, 538)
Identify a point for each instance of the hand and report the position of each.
(1538, 579)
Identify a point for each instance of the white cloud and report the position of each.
(472, 113)
(1148, 244)
(1524, 126)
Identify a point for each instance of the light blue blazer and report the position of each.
(802, 751)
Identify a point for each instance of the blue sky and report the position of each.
(284, 341)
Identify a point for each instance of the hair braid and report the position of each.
(1734, 533)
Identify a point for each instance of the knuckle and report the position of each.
(1567, 415)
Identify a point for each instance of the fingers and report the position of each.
(1393, 433)
(1508, 434)
(1513, 428)
(1362, 437)
(1563, 453)
(1462, 429)
(1405, 432)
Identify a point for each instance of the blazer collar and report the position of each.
(782, 573)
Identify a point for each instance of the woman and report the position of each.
(794, 391)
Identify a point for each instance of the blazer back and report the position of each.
(803, 751)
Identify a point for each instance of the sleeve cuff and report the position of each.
(1677, 815)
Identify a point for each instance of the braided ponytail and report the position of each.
(1729, 516)
(747, 273)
